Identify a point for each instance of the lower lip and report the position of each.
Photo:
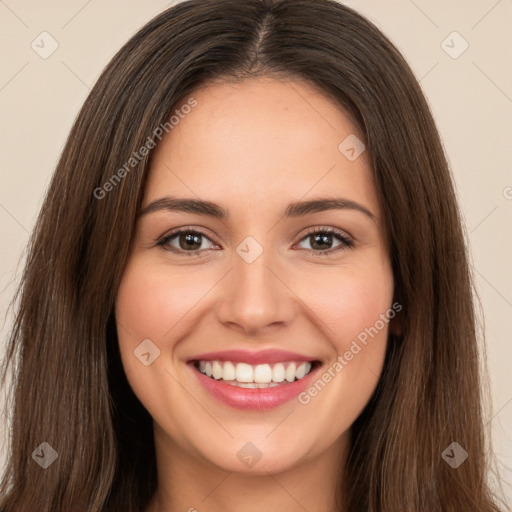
(254, 399)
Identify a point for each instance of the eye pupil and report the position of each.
(190, 239)
(321, 239)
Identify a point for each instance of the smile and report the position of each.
(259, 376)
(254, 381)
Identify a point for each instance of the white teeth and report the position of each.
(229, 371)
(244, 372)
(263, 373)
(290, 372)
(217, 370)
(278, 372)
(257, 376)
(252, 385)
(300, 372)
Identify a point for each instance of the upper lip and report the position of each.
(246, 356)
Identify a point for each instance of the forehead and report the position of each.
(258, 141)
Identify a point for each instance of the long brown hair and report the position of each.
(69, 388)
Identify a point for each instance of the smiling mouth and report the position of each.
(258, 376)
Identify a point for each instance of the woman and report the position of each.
(180, 348)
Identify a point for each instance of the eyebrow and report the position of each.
(296, 209)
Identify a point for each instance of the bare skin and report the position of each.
(253, 148)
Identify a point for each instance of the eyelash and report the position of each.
(347, 242)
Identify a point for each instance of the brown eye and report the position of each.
(190, 242)
(184, 241)
(321, 241)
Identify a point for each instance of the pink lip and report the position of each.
(245, 356)
(255, 399)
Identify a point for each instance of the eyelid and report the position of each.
(326, 229)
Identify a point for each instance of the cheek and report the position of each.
(356, 307)
(350, 301)
(151, 302)
(360, 306)
(150, 305)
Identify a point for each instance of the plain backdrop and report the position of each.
(460, 51)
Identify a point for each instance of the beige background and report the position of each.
(471, 98)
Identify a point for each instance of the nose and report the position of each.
(255, 297)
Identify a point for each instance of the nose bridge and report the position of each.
(255, 296)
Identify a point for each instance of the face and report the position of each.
(244, 319)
